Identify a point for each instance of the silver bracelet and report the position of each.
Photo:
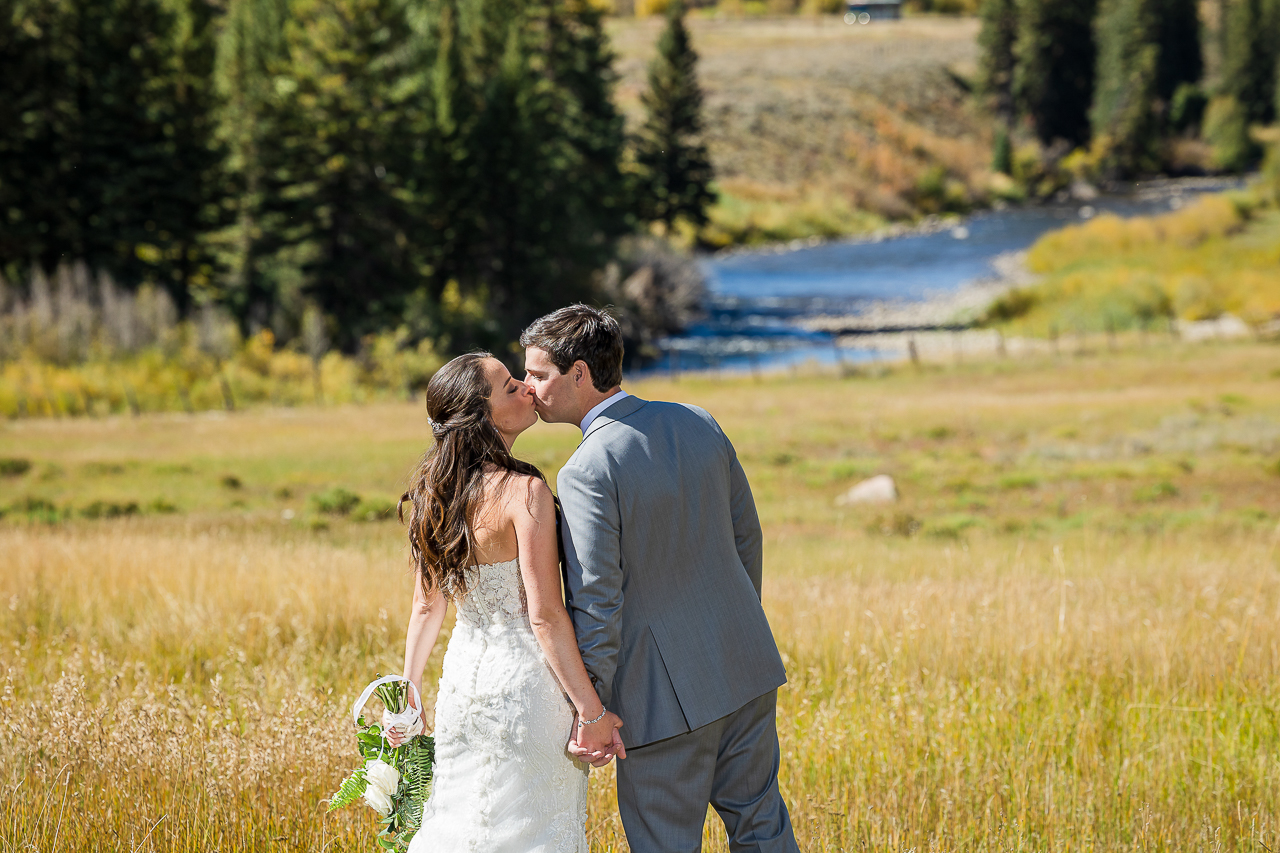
(603, 711)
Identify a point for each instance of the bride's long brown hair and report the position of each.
(448, 486)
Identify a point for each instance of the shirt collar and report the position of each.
(600, 407)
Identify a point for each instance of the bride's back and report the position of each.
(492, 524)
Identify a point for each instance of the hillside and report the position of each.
(816, 127)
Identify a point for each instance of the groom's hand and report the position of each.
(598, 743)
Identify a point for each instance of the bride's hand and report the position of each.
(397, 735)
(597, 743)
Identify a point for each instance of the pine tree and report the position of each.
(250, 52)
(336, 175)
(996, 40)
(1124, 115)
(1054, 73)
(446, 218)
(193, 194)
(675, 170)
(106, 149)
(1178, 35)
(37, 117)
(1249, 72)
(522, 196)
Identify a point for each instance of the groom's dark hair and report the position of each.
(580, 333)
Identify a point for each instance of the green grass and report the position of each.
(1064, 636)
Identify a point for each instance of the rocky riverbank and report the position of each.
(945, 310)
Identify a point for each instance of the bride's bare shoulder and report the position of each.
(525, 494)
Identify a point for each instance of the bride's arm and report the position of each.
(424, 629)
(532, 510)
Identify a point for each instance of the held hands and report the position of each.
(597, 743)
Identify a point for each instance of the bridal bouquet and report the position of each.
(394, 781)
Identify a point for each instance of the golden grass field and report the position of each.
(1065, 636)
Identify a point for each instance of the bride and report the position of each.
(513, 691)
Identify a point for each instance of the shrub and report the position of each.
(1156, 492)
(898, 524)
(109, 509)
(1187, 111)
(161, 506)
(375, 509)
(1226, 127)
(1012, 305)
(37, 509)
(335, 501)
(1018, 481)
(950, 527)
(12, 467)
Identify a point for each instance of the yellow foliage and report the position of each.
(648, 8)
(165, 378)
(1195, 263)
(749, 213)
(1207, 217)
(257, 352)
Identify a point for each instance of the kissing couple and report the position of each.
(638, 602)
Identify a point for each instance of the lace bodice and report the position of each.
(495, 595)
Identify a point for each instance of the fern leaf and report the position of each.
(351, 789)
(420, 753)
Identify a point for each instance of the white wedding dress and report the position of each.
(503, 781)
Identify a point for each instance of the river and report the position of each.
(757, 299)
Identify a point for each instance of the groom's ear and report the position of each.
(580, 373)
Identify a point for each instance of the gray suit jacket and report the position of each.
(663, 553)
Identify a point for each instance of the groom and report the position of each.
(663, 547)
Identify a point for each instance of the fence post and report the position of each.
(132, 399)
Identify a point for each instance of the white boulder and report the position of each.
(879, 489)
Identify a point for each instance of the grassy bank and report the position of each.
(1218, 255)
(1064, 636)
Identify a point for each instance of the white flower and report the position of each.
(382, 776)
(378, 799)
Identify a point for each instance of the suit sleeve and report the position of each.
(746, 523)
(593, 557)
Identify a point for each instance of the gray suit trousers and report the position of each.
(731, 763)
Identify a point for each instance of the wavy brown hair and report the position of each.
(447, 488)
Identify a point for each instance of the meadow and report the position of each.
(1065, 635)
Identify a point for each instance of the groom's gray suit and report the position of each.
(663, 552)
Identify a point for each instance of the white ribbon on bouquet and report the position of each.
(408, 721)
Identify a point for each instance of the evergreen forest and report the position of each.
(1118, 84)
(328, 170)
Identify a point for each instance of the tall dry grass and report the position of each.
(180, 692)
(1102, 675)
